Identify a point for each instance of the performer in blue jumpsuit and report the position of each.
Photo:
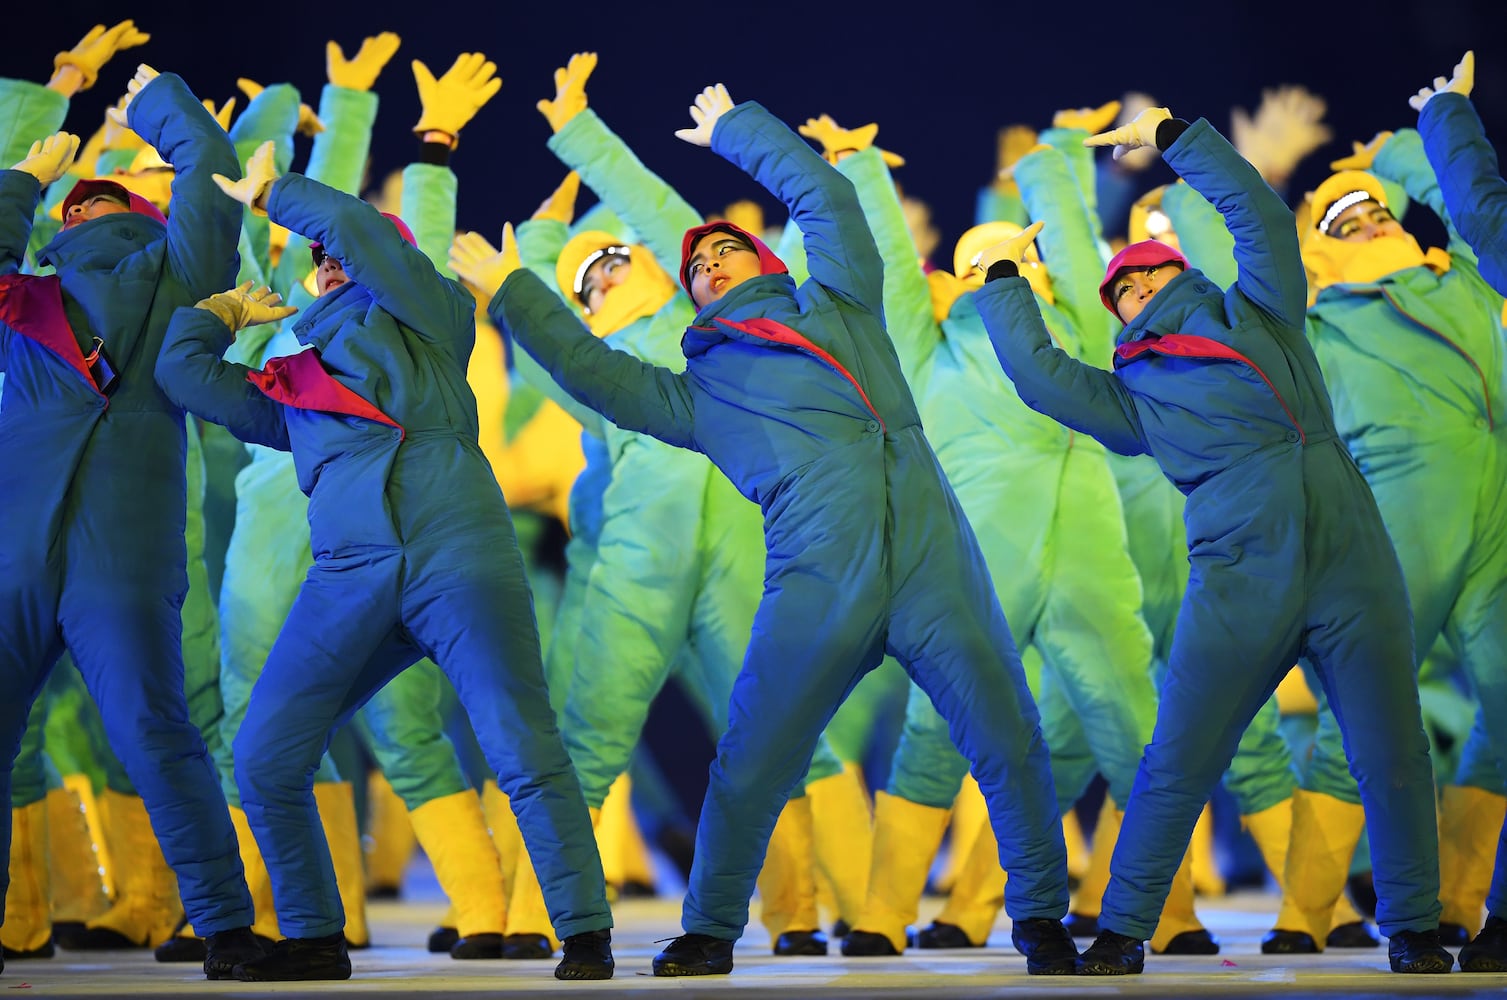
(414, 554)
(796, 394)
(92, 485)
(1288, 553)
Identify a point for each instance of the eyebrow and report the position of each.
(722, 242)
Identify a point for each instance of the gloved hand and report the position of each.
(561, 204)
(1138, 133)
(116, 135)
(144, 75)
(711, 104)
(1362, 154)
(223, 114)
(49, 158)
(570, 90)
(1287, 127)
(1013, 249)
(1461, 83)
(308, 122)
(1090, 120)
(482, 265)
(245, 306)
(360, 71)
(252, 189)
(838, 142)
(98, 47)
(453, 100)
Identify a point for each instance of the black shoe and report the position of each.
(841, 928)
(63, 929)
(181, 949)
(695, 955)
(1047, 945)
(1280, 942)
(442, 939)
(863, 944)
(45, 951)
(1079, 925)
(1112, 954)
(526, 947)
(801, 943)
(299, 960)
(223, 951)
(1199, 942)
(1418, 952)
(587, 955)
(100, 939)
(383, 892)
(478, 947)
(1487, 952)
(1452, 935)
(634, 889)
(943, 936)
(1356, 934)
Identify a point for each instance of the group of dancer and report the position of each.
(798, 461)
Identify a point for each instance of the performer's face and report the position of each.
(1133, 289)
(720, 262)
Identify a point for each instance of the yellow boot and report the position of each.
(978, 894)
(906, 838)
(146, 911)
(1083, 909)
(1207, 881)
(1470, 827)
(638, 872)
(506, 836)
(336, 801)
(80, 785)
(1271, 829)
(27, 931)
(787, 884)
(529, 931)
(389, 842)
(969, 810)
(612, 833)
(1179, 931)
(843, 839)
(1077, 847)
(1324, 834)
(257, 879)
(73, 865)
(453, 833)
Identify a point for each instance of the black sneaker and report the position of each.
(478, 947)
(1356, 934)
(441, 940)
(587, 955)
(1488, 951)
(695, 955)
(223, 951)
(866, 944)
(181, 948)
(1452, 935)
(1113, 954)
(1199, 942)
(45, 951)
(1280, 942)
(1047, 945)
(527, 947)
(943, 937)
(299, 960)
(801, 943)
(1418, 952)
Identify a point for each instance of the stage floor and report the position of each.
(397, 965)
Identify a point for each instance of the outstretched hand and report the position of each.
(570, 91)
(246, 305)
(1461, 83)
(144, 75)
(711, 104)
(1135, 134)
(482, 265)
(1013, 249)
(49, 158)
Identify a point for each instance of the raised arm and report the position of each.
(1469, 179)
(21, 189)
(1201, 233)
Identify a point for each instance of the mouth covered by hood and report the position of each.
(644, 292)
(1332, 261)
(768, 262)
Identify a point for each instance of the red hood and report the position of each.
(768, 262)
(89, 187)
(1147, 253)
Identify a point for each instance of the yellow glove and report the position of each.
(251, 190)
(482, 265)
(561, 204)
(711, 104)
(1362, 154)
(1090, 120)
(1287, 127)
(49, 158)
(1138, 133)
(223, 114)
(1013, 249)
(308, 122)
(245, 306)
(97, 48)
(453, 100)
(1461, 83)
(144, 75)
(360, 71)
(838, 142)
(570, 90)
(116, 135)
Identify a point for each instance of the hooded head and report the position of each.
(722, 264)
(102, 196)
(985, 235)
(1354, 237)
(1139, 258)
(1149, 222)
(329, 272)
(612, 282)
